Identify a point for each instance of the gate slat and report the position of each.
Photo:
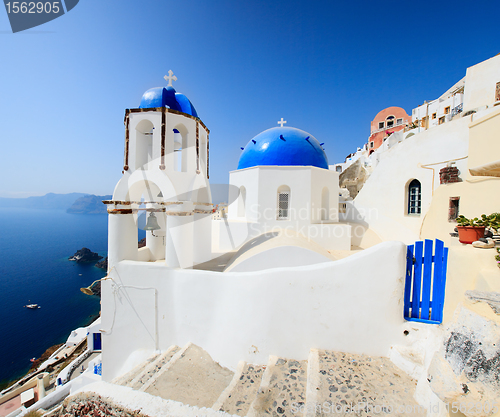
(426, 280)
(443, 284)
(437, 291)
(417, 280)
(408, 280)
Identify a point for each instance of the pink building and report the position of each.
(387, 121)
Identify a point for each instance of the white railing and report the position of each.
(404, 122)
(457, 110)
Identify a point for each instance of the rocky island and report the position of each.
(102, 264)
(85, 255)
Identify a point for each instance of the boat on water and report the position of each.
(32, 306)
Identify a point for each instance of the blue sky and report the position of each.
(327, 67)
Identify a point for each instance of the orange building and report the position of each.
(387, 121)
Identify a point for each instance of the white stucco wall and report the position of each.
(248, 316)
(382, 202)
(306, 185)
(480, 83)
(283, 256)
(313, 206)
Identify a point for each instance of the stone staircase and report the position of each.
(327, 383)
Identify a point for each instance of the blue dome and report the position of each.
(167, 97)
(283, 146)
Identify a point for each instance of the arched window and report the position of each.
(283, 202)
(390, 121)
(241, 202)
(325, 204)
(414, 197)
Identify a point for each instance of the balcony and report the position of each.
(401, 123)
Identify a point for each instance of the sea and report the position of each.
(34, 268)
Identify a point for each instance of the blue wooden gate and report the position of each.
(424, 293)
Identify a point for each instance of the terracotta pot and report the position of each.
(469, 234)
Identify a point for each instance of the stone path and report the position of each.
(327, 383)
(191, 377)
(349, 384)
(238, 396)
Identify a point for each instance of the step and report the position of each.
(282, 390)
(338, 380)
(126, 378)
(238, 396)
(154, 367)
(191, 377)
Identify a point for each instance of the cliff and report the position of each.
(89, 204)
(48, 201)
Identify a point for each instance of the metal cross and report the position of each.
(282, 122)
(170, 77)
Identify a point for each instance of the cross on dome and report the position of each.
(281, 122)
(170, 77)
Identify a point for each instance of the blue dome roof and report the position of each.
(167, 97)
(283, 146)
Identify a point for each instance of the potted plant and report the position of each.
(470, 230)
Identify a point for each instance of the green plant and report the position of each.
(464, 221)
(492, 221)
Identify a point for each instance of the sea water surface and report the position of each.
(34, 268)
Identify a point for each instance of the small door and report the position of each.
(97, 341)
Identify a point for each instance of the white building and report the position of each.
(442, 109)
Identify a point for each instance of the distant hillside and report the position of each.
(48, 201)
(89, 204)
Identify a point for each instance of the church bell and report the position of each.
(152, 223)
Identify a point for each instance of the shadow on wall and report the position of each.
(362, 235)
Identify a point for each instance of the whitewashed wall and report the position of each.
(382, 202)
(247, 316)
(306, 207)
(480, 83)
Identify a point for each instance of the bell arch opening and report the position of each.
(180, 148)
(144, 144)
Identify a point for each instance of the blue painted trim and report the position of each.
(423, 321)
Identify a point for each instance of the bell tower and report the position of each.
(165, 183)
